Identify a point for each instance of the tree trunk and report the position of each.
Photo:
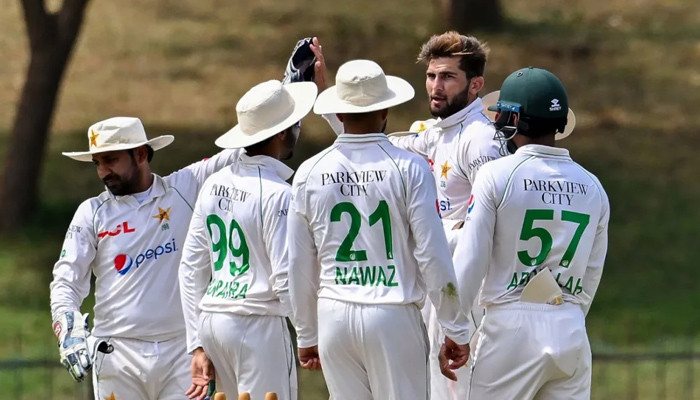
(51, 39)
(466, 16)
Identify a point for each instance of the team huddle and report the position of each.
(456, 260)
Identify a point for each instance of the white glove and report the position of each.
(76, 346)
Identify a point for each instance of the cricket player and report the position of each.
(130, 238)
(366, 245)
(456, 143)
(233, 273)
(536, 234)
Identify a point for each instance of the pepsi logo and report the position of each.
(123, 263)
(470, 205)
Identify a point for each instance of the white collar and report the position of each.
(542, 150)
(280, 168)
(475, 106)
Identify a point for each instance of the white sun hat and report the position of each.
(117, 133)
(267, 109)
(491, 99)
(361, 86)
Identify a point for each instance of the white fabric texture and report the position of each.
(373, 351)
(535, 209)
(138, 369)
(539, 192)
(251, 353)
(455, 147)
(363, 228)
(532, 352)
(235, 255)
(134, 251)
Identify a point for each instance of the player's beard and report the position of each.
(458, 103)
(121, 185)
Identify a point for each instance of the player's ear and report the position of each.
(476, 84)
(141, 154)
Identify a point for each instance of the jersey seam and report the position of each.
(262, 227)
(397, 168)
(591, 177)
(183, 198)
(500, 203)
(94, 215)
(459, 165)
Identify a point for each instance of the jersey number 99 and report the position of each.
(226, 243)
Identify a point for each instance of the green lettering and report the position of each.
(391, 278)
(569, 284)
(232, 290)
(340, 276)
(513, 282)
(381, 277)
(578, 289)
(354, 277)
(523, 278)
(218, 286)
(368, 274)
(242, 293)
(210, 288)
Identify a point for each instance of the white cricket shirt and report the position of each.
(532, 210)
(235, 255)
(455, 147)
(363, 228)
(134, 251)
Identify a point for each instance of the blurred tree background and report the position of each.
(630, 67)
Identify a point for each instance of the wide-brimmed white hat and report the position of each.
(267, 109)
(491, 99)
(361, 86)
(117, 133)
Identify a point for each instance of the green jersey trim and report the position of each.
(397, 169)
(510, 179)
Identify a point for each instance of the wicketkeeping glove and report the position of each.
(76, 346)
(300, 66)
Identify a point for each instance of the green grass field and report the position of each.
(630, 67)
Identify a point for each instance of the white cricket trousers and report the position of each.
(442, 388)
(529, 351)
(251, 353)
(143, 370)
(371, 351)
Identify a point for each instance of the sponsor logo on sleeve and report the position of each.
(470, 205)
(73, 230)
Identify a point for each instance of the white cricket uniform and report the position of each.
(233, 278)
(133, 249)
(533, 210)
(455, 147)
(365, 246)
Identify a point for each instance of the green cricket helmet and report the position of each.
(533, 92)
(539, 100)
